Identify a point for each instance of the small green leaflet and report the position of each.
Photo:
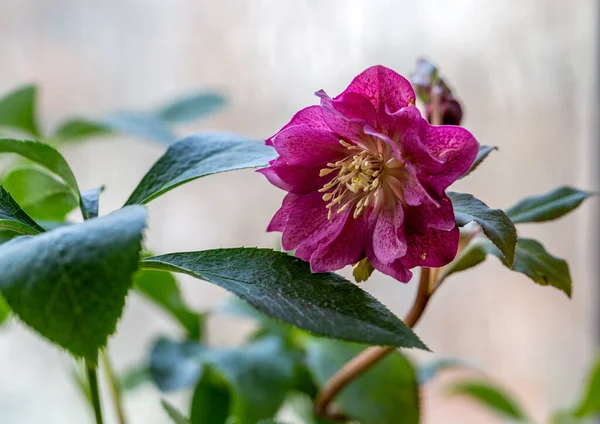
(483, 153)
(211, 400)
(176, 416)
(197, 156)
(13, 218)
(490, 396)
(387, 393)
(590, 402)
(548, 206)
(17, 110)
(283, 287)
(69, 284)
(79, 128)
(494, 223)
(4, 310)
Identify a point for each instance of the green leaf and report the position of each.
(176, 416)
(303, 407)
(472, 255)
(483, 153)
(211, 400)
(79, 128)
(90, 200)
(388, 393)
(490, 396)
(494, 223)
(590, 403)
(161, 288)
(13, 218)
(134, 377)
(547, 207)
(70, 284)
(191, 107)
(283, 287)
(430, 371)
(176, 365)
(532, 260)
(4, 310)
(141, 125)
(17, 110)
(42, 196)
(197, 156)
(363, 270)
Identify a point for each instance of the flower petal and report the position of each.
(322, 235)
(302, 144)
(297, 179)
(383, 87)
(388, 235)
(283, 213)
(311, 116)
(433, 249)
(308, 214)
(395, 269)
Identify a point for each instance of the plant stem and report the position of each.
(115, 389)
(370, 356)
(94, 391)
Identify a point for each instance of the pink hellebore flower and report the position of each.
(365, 176)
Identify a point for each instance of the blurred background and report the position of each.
(524, 69)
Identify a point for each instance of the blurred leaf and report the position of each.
(161, 288)
(13, 218)
(40, 194)
(483, 153)
(473, 254)
(70, 284)
(176, 416)
(303, 408)
(237, 307)
(211, 399)
(589, 405)
(388, 393)
(4, 310)
(79, 128)
(134, 377)
(79, 376)
(494, 223)
(548, 206)
(283, 287)
(532, 260)
(490, 396)
(430, 371)
(197, 156)
(192, 107)
(176, 365)
(91, 201)
(140, 125)
(563, 417)
(17, 110)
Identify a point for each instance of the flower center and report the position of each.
(359, 180)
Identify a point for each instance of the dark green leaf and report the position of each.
(494, 223)
(472, 255)
(4, 310)
(162, 289)
(491, 397)
(192, 107)
(17, 110)
(141, 125)
(388, 393)
(41, 195)
(197, 156)
(13, 218)
(175, 365)
(590, 403)
(532, 260)
(70, 284)
(363, 270)
(547, 207)
(90, 200)
(176, 416)
(80, 128)
(483, 152)
(134, 377)
(211, 399)
(283, 287)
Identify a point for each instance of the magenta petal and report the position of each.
(433, 249)
(388, 236)
(456, 147)
(344, 249)
(395, 269)
(349, 129)
(296, 179)
(383, 87)
(281, 216)
(325, 233)
(301, 144)
(308, 214)
(310, 116)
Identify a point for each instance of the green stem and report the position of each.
(94, 391)
(115, 388)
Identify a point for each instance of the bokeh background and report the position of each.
(525, 70)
